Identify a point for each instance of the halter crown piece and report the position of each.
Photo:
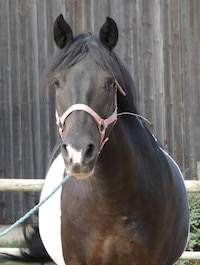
(102, 124)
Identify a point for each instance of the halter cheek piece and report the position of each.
(102, 124)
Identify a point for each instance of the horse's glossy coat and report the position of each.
(128, 204)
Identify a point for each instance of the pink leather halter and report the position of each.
(102, 124)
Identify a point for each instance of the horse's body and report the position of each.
(125, 202)
(106, 223)
(126, 205)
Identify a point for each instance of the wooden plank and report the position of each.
(190, 255)
(26, 101)
(36, 185)
(187, 89)
(44, 96)
(167, 61)
(158, 71)
(34, 86)
(53, 9)
(12, 251)
(79, 16)
(192, 185)
(177, 97)
(1, 109)
(27, 111)
(16, 98)
(146, 54)
(135, 26)
(6, 95)
(21, 184)
(187, 255)
(194, 88)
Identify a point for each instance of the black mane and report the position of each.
(87, 44)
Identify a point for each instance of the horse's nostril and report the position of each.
(89, 152)
(65, 153)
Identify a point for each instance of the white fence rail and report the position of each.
(187, 255)
(190, 255)
(37, 184)
(21, 184)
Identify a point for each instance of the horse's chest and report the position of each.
(114, 249)
(103, 241)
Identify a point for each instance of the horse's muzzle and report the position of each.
(79, 163)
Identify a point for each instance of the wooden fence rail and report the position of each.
(190, 255)
(21, 185)
(187, 255)
(37, 184)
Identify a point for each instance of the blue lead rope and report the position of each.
(34, 209)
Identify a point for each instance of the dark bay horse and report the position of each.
(125, 201)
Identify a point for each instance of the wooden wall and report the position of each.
(159, 43)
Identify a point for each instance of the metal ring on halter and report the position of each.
(102, 127)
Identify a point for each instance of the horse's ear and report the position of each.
(62, 32)
(109, 34)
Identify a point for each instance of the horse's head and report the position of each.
(86, 93)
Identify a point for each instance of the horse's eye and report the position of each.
(56, 83)
(110, 84)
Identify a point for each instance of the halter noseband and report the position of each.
(102, 124)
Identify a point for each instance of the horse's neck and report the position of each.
(115, 172)
(119, 176)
